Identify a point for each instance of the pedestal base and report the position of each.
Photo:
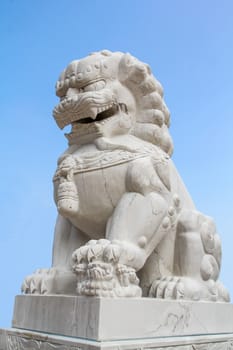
(59, 322)
(104, 319)
(13, 339)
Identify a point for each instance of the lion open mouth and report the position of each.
(105, 113)
(88, 107)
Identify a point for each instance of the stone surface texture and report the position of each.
(13, 339)
(104, 319)
(127, 226)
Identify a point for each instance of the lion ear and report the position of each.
(131, 70)
(124, 66)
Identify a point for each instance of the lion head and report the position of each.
(111, 93)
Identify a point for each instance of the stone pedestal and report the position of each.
(72, 323)
(14, 339)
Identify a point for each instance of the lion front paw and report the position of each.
(49, 281)
(174, 287)
(100, 273)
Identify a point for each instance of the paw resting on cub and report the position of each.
(100, 272)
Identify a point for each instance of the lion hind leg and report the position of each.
(196, 263)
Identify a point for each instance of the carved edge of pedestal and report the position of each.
(14, 339)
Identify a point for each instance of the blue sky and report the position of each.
(188, 44)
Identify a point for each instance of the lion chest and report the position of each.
(100, 190)
(97, 182)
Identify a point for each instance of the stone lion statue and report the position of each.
(127, 226)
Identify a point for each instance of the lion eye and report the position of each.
(98, 85)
